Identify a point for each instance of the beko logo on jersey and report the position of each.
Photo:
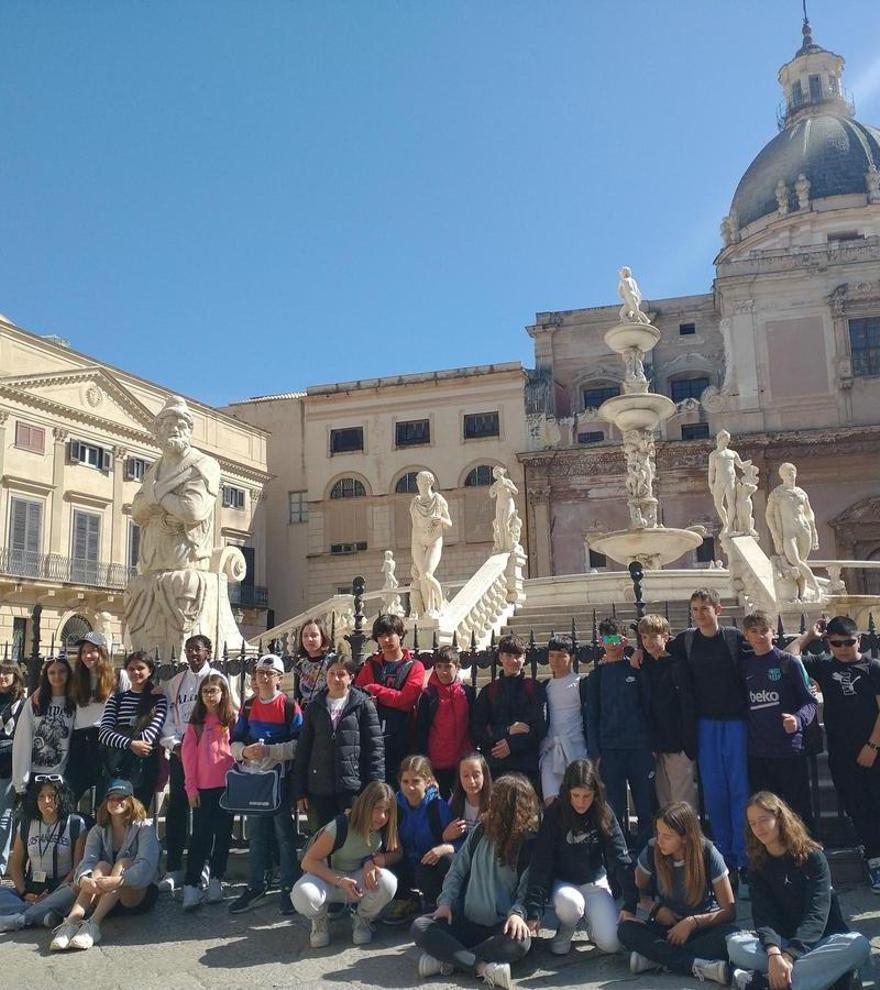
(764, 697)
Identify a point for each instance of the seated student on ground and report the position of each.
(49, 843)
(117, 874)
(480, 924)
(801, 938)
(566, 695)
(443, 713)
(579, 844)
(347, 863)
(693, 910)
(470, 797)
(426, 837)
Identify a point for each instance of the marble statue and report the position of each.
(782, 198)
(726, 328)
(730, 229)
(507, 526)
(792, 526)
(631, 297)
(429, 512)
(175, 593)
(390, 599)
(638, 448)
(802, 189)
(635, 378)
(745, 489)
(872, 181)
(723, 463)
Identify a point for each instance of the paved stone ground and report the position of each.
(169, 950)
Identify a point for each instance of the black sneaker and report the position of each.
(285, 904)
(249, 899)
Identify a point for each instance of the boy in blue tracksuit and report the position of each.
(618, 733)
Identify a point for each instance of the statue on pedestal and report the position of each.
(390, 598)
(507, 526)
(429, 512)
(631, 297)
(793, 529)
(723, 463)
(745, 512)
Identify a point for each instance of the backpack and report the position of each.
(399, 677)
(814, 734)
(434, 822)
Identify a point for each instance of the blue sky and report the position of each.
(237, 197)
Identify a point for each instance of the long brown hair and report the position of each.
(361, 820)
(81, 683)
(584, 773)
(134, 812)
(512, 815)
(459, 798)
(18, 686)
(681, 818)
(225, 711)
(793, 833)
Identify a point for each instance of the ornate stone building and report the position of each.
(784, 352)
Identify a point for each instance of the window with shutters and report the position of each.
(412, 433)
(347, 440)
(233, 498)
(297, 507)
(595, 395)
(19, 638)
(134, 543)
(25, 539)
(694, 431)
(89, 454)
(32, 438)
(135, 469)
(85, 547)
(688, 388)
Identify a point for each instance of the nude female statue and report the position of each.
(429, 512)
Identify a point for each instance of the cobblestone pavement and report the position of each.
(170, 950)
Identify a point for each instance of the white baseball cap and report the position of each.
(270, 661)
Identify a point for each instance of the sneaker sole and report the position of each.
(247, 907)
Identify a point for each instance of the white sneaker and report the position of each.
(641, 964)
(361, 931)
(214, 891)
(63, 934)
(192, 898)
(561, 941)
(429, 966)
(11, 922)
(711, 969)
(319, 937)
(497, 975)
(89, 934)
(741, 979)
(170, 882)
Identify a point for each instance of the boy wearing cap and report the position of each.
(267, 719)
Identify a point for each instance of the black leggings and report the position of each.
(465, 943)
(418, 876)
(649, 940)
(211, 835)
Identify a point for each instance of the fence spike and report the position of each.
(780, 631)
(434, 641)
(803, 626)
(415, 637)
(455, 639)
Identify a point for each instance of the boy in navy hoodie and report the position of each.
(618, 733)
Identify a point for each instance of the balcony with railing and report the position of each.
(248, 596)
(32, 566)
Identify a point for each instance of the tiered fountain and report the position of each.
(637, 413)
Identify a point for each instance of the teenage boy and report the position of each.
(269, 717)
(671, 718)
(781, 706)
(566, 695)
(618, 734)
(710, 657)
(508, 720)
(443, 719)
(394, 679)
(182, 692)
(850, 684)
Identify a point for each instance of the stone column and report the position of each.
(58, 465)
(118, 519)
(540, 549)
(4, 416)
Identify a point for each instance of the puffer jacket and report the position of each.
(345, 758)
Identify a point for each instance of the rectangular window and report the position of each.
(864, 342)
(297, 507)
(346, 441)
(695, 431)
(797, 94)
(134, 543)
(594, 397)
(85, 547)
(342, 548)
(89, 454)
(32, 438)
(593, 436)
(706, 550)
(135, 469)
(25, 540)
(687, 329)
(233, 498)
(815, 89)
(412, 433)
(688, 388)
(598, 560)
(478, 425)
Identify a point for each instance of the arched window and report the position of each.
(406, 485)
(73, 631)
(593, 395)
(688, 388)
(348, 488)
(478, 476)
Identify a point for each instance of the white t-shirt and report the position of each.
(335, 707)
(564, 706)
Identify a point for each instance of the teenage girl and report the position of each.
(693, 910)
(118, 870)
(801, 938)
(347, 863)
(480, 922)
(579, 846)
(313, 656)
(12, 694)
(45, 725)
(206, 756)
(470, 796)
(49, 844)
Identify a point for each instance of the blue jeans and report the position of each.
(260, 829)
(724, 772)
(635, 767)
(7, 820)
(818, 969)
(60, 901)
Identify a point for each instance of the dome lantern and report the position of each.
(812, 82)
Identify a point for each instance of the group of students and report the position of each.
(483, 859)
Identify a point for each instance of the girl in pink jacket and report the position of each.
(206, 757)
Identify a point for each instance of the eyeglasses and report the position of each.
(48, 778)
(843, 642)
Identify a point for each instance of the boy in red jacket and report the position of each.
(394, 679)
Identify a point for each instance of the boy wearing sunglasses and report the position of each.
(850, 683)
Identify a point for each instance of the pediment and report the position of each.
(866, 510)
(89, 393)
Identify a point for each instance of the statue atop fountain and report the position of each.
(792, 526)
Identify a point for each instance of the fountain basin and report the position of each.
(626, 335)
(654, 547)
(637, 411)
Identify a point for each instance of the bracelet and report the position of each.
(874, 746)
(693, 918)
